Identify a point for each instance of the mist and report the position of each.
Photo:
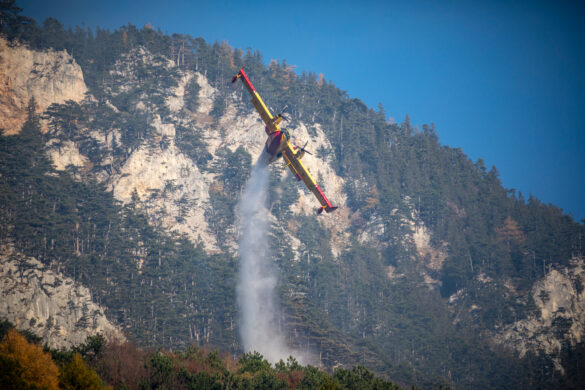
(256, 290)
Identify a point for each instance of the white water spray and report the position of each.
(256, 289)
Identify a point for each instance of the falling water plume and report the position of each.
(256, 289)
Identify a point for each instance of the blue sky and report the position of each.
(503, 80)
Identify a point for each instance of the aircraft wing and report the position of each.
(270, 121)
(299, 170)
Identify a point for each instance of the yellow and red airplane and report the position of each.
(278, 145)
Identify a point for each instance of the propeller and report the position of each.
(283, 109)
(305, 150)
(281, 112)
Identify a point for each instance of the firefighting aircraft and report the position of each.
(278, 145)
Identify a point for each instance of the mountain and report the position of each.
(123, 156)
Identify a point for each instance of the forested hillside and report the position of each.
(429, 273)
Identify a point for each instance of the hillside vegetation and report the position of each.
(97, 364)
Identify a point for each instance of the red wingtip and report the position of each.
(236, 77)
(327, 209)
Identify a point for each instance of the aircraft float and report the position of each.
(278, 145)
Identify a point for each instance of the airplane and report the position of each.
(278, 145)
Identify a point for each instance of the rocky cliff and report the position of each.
(47, 77)
(559, 316)
(50, 305)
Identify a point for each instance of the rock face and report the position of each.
(66, 155)
(559, 317)
(48, 304)
(181, 191)
(48, 77)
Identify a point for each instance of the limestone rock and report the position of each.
(48, 77)
(48, 304)
(559, 317)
